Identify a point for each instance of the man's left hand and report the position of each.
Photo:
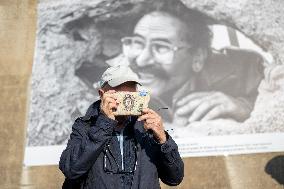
(204, 106)
(152, 121)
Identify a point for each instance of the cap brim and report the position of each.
(119, 81)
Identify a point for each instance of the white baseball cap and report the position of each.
(116, 75)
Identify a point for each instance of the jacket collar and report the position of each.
(93, 111)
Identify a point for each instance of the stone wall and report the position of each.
(67, 37)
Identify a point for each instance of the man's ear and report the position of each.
(199, 59)
(101, 92)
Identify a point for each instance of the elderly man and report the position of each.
(170, 51)
(108, 151)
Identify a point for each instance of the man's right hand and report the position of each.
(109, 104)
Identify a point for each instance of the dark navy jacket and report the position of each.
(83, 158)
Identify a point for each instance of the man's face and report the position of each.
(128, 86)
(161, 57)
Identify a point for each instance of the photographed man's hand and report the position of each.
(152, 121)
(109, 103)
(203, 106)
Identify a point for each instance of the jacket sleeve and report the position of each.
(170, 167)
(85, 145)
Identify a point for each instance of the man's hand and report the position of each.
(152, 121)
(203, 106)
(109, 104)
